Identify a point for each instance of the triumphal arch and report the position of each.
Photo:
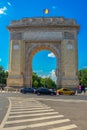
(30, 35)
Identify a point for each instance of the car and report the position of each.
(66, 91)
(45, 91)
(27, 90)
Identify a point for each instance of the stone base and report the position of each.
(15, 82)
(69, 83)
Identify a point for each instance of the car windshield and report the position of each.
(50, 89)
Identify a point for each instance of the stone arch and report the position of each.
(29, 35)
(31, 52)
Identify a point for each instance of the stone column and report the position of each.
(69, 64)
(15, 77)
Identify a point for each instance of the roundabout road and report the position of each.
(71, 110)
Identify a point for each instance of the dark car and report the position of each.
(27, 90)
(45, 91)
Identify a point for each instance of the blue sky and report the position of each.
(17, 9)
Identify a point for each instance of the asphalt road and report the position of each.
(73, 108)
(4, 103)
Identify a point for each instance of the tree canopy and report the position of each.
(3, 75)
(82, 74)
(38, 81)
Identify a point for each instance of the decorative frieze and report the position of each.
(15, 46)
(69, 46)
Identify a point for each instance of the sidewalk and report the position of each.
(7, 91)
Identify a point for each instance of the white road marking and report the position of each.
(27, 106)
(63, 100)
(37, 125)
(48, 123)
(34, 119)
(68, 127)
(33, 111)
(20, 108)
(30, 109)
(28, 115)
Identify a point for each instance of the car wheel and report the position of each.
(51, 94)
(61, 93)
(72, 94)
(38, 93)
(23, 93)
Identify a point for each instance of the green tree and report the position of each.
(35, 77)
(50, 83)
(38, 81)
(82, 74)
(35, 84)
(3, 75)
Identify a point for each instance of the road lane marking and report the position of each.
(28, 115)
(49, 123)
(46, 113)
(37, 125)
(29, 109)
(23, 106)
(62, 100)
(34, 119)
(68, 127)
(33, 111)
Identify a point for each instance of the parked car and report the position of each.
(65, 91)
(45, 91)
(27, 90)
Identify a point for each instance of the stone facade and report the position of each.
(30, 35)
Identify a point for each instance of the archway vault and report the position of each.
(30, 35)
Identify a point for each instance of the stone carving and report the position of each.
(69, 35)
(16, 35)
(16, 46)
(69, 46)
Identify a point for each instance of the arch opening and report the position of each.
(52, 55)
(44, 64)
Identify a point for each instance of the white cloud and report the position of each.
(44, 76)
(53, 75)
(51, 55)
(0, 59)
(53, 72)
(9, 3)
(2, 10)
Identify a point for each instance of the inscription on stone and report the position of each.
(42, 35)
